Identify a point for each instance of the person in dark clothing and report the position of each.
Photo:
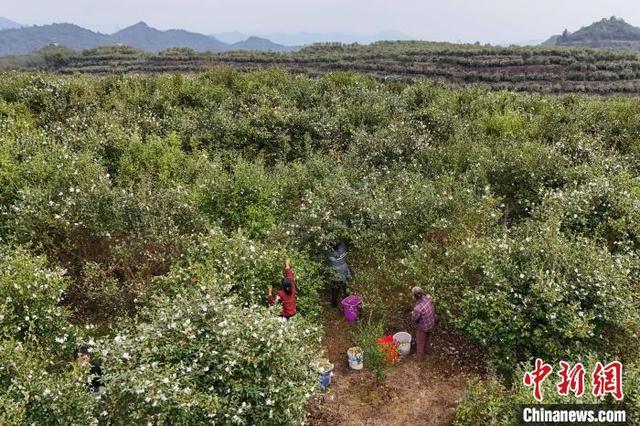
(337, 256)
(287, 294)
(82, 356)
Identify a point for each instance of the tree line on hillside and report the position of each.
(545, 69)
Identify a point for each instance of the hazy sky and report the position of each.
(495, 21)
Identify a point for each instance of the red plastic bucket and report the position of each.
(351, 305)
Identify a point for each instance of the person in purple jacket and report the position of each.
(423, 317)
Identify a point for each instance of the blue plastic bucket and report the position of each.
(325, 379)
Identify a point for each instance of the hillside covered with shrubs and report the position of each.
(612, 33)
(546, 69)
(144, 217)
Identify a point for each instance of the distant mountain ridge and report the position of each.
(150, 39)
(6, 24)
(608, 33)
(26, 39)
(23, 40)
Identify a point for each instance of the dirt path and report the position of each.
(413, 394)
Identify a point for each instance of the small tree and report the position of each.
(198, 358)
(375, 357)
(30, 294)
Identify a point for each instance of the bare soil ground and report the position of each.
(414, 393)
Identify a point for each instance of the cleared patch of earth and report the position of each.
(414, 393)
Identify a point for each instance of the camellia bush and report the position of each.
(41, 386)
(242, 267)
(69, 209)
(633, 392)
(535, 292)
(30, 296)
(486, 402)
(602, 208)
(160, 207)
(38, 381)
(201, 357)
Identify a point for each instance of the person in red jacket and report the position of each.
(287, 295)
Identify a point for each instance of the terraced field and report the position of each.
(539, 69)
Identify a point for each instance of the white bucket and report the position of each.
(355, 359)
(403, 339)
